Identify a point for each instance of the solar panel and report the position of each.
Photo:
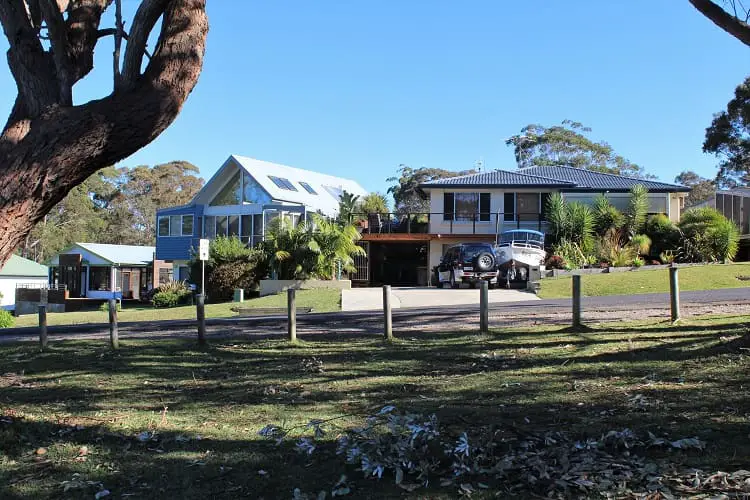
(282, 183)
(308, 188)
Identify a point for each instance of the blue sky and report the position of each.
(357, 88)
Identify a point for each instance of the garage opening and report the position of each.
(398, 264)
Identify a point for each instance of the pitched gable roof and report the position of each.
(18, 266)
(565, 178)
(328, 188)
(121, 254)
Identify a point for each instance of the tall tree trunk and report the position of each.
(48, 146)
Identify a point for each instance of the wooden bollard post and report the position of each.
(291, 302)
(484, 308)
(674, 294)
(577, 301)
(387, 316)
(42, 327)
(114, 339)
(200, 313)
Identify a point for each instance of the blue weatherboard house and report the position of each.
(240, 200)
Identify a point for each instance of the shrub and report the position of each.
(667, 257)
(6, 319)
(638, 262)
(623, 256)
(555, 262)
(614, 250)
(175, 286)
(641, 243)
(708, 236)
(635, 215)
(572, 254)
(663, 233)
(607, 216)
(166, 299)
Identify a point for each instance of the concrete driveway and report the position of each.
(368, 299)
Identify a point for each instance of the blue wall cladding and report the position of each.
(179, 247)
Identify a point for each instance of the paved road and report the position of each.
(408, 321)
(371, 299)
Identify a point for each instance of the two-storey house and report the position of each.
(479, 206)
(240, 200)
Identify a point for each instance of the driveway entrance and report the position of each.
(364, 299)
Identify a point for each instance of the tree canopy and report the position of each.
(114, 205)
(407, 195)
(48, 145)
(701, 189)
(728, 138)
(568, 144)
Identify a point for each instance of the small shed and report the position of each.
(20, 273)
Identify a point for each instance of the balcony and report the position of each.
(446, 223)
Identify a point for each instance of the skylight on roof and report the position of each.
(336, 192)
(308, 188)
(282, 183)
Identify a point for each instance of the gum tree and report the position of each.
(49, 145)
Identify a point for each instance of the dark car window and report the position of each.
(471, 251)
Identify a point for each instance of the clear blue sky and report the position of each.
(356, 88)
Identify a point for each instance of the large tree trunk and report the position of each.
(49, 146)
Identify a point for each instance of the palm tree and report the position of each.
(347, 206)
(289, 249)
(334, 244)
(637, 212)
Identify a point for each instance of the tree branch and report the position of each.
(119, 30)
(60, 48)
(83, 28)
(724, 20)
(144, 21)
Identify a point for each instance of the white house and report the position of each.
(19, 272)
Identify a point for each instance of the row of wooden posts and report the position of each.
(674, 291)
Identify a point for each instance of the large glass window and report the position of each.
(246, 228)
(209, 227)
(448, 201)
(234, 225)
(527, 206)
(165, 275)
(187, 225)
(484, 207)
(509, 207)
(231, 194)
(466, 206)
(99, 278)
(222, 225)
(163, 226)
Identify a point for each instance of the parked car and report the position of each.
(467, 263)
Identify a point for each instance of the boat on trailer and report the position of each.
(516, 251)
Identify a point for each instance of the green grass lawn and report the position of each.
(321, 300)
(77, 412)
(651, 281)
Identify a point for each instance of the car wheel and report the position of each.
(485, 261)
(472, 284)
(491, 285)
(454, 283)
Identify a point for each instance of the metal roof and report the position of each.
(565, 178)
(121, 254)
(18, 266)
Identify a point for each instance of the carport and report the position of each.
(398, 263)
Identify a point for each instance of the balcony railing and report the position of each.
(447, 223)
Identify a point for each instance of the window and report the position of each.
(484, 207)
(334, 191)
(163, 226)
(545, 204)
(234, 225)
(222, 225)
(183, 273)
(466, 207)
(448, 201)
(527, 206)
(165, 275)
(308, 188)
(175, 225)
(231, 193)
(509, 207)
(209, 227)
(187, 225)
(99, 278)
(246, 228)
(282, 183)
